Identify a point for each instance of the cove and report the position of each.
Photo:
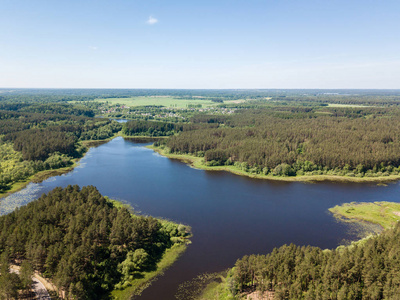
(230, 215)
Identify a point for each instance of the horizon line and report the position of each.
(124, 88)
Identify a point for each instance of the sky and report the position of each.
(218, 44)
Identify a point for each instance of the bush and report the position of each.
(283, 170)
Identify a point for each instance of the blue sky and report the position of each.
(200, 44)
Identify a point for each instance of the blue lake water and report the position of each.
(230, 215)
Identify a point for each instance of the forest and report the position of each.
(86, 244)
(282, 133)
(60, 95)
(290, 141)
(272, 133)
(366, 270)
(45, 137)
(155, 129)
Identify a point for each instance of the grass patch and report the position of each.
(43, 175)
(346, 105)
(207, 286)
(385, 214)
(118, 204)
(198, 163)
(216, 290)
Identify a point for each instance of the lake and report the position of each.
(230, 215)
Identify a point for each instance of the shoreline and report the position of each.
(39, 177)
(169, 257)
(382, 213)
(138, 285)
(46, 174)
(196, 163)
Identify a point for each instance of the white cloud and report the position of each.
(151, 21)
(94, 48)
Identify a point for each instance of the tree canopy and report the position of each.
(84, 242)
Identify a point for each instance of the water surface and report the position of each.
(230, 215)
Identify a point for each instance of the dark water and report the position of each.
(230, 215)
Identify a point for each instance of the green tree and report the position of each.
(25, 275)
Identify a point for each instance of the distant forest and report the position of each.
(354, 96)
(267, 132)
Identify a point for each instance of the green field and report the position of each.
(346, 105)
(385, 214)
(164, 101)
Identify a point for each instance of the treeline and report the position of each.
(373, 98)
(139, 127)
(38, 144)
(57, 95)
(154, 128)
(85, 243)
(13, 168)
(39, 135)
(53, 108)
(361, 271)
(11, 121)
(45, 141)
(298, 141)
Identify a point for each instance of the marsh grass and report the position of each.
(385, 214)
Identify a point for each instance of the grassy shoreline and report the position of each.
(385, 214)
(144, 138)
(39, 177)
(197, 163)
(43, 175)
(139, 285)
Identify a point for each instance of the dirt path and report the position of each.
(38, 287)
(260, 296)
